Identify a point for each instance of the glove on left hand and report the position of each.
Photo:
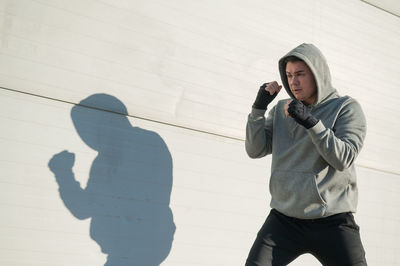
(301, 114)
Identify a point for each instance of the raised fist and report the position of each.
(266, 94)
(62, 161)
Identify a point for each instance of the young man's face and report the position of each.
(301, 82)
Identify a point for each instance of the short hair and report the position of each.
(292, 59)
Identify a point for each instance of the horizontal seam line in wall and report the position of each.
(380, 8)
(165, 123)
(119, 113)
(378, 169)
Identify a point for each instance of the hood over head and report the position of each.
(315, 60)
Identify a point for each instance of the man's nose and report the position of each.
(294, 81)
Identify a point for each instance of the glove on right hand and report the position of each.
(264, 97)
(301, 114)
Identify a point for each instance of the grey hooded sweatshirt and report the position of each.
(312, 171)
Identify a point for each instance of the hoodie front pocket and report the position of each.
(296, 193)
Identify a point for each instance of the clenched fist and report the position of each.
(266, 94)
(62, 161)
(300, 113)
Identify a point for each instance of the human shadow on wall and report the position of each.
(128, 192)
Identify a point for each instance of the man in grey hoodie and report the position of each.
(314, 138)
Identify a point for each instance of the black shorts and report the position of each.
(334, 240)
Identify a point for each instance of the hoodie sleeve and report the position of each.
(341, 145)
(259, 133)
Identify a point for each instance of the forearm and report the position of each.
(258, 138)
(340, 153)
(72, 194)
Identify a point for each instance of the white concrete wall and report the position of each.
(187, 72)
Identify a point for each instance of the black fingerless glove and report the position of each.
(301, 114)
(263, 98)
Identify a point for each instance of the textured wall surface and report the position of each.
(149, 101)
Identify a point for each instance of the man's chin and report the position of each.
(299, 98)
